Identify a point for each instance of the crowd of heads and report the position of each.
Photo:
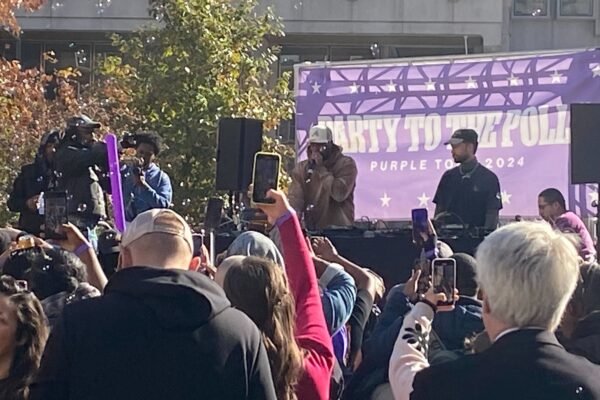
(525, 274)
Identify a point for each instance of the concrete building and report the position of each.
(333, 30)
(327, 30)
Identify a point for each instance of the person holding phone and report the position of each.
(527, 273)
(322, 188)
(34, 179)
(470, 191)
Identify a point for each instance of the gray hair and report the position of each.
(528, 272)
(256, 244)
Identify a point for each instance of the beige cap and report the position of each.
(320, 134)
(158, 220)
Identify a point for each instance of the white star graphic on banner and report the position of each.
(385, 200)
(471, 83)
(505, 197)
(390, 87)
(593, 196)
(556, 77)
(423, 200)
(430, 85)
(354, 88)
(316, 87)
(596, 70)
(513, 80)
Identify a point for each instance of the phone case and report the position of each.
(256, 156)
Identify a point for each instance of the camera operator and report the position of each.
(34, 179)
(79, 161)
(145, 185)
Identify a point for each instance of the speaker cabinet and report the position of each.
(585, 143)
(238, 140)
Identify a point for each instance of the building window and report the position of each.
(576, 8)
(353, 53)
(31, 55)
(531, 8)
(73, 55)
(8, 49)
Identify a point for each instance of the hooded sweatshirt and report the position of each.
(158, 192)
(155, 334)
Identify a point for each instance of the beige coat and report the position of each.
(328, 199)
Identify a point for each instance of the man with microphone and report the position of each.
(322, 188)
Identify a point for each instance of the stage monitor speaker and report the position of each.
(238, 140)
(585, 143)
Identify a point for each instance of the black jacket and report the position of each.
(585, 340)
(32, 180)
(78, 168)
(155, 334)
(523, 365)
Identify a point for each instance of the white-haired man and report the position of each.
(322, 188)
(527, 273)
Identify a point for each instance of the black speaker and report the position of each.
(238, 140)
(585, 143)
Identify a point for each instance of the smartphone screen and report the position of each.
(424, 282)
(55, 214)
(212, 215)
(266, 176)
(444, 278)
(420, 225)
(198, 241)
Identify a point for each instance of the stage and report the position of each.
(391, 254)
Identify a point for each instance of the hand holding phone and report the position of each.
(444, 280)
(279, 207)
(55, 215)
(265, 177)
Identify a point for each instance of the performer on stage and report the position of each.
(322, 186)
(469, 190)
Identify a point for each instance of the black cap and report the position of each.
(463, 136)
(82, 121)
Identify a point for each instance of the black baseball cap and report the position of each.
(82, 121)
(463, 136)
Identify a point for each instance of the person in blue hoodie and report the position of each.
(145, 186)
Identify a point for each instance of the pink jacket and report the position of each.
(311, 332)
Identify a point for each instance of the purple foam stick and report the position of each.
(115, 182)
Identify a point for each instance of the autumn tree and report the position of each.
(7, 12)
(207, 59)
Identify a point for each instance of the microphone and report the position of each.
(310, 170)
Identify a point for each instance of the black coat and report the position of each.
(585, 340)
(32, 180)
(155, 334)
(80, 169)
(523, 365)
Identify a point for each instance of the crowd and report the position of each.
(145, 315)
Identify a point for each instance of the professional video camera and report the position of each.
(129, 140)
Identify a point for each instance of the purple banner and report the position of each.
(394, 117)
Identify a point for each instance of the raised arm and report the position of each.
(339, 182)
(159, 197)
(74, 161)
(311, 331)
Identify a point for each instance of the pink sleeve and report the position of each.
(311, 332)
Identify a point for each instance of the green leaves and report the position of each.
(210, 59)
